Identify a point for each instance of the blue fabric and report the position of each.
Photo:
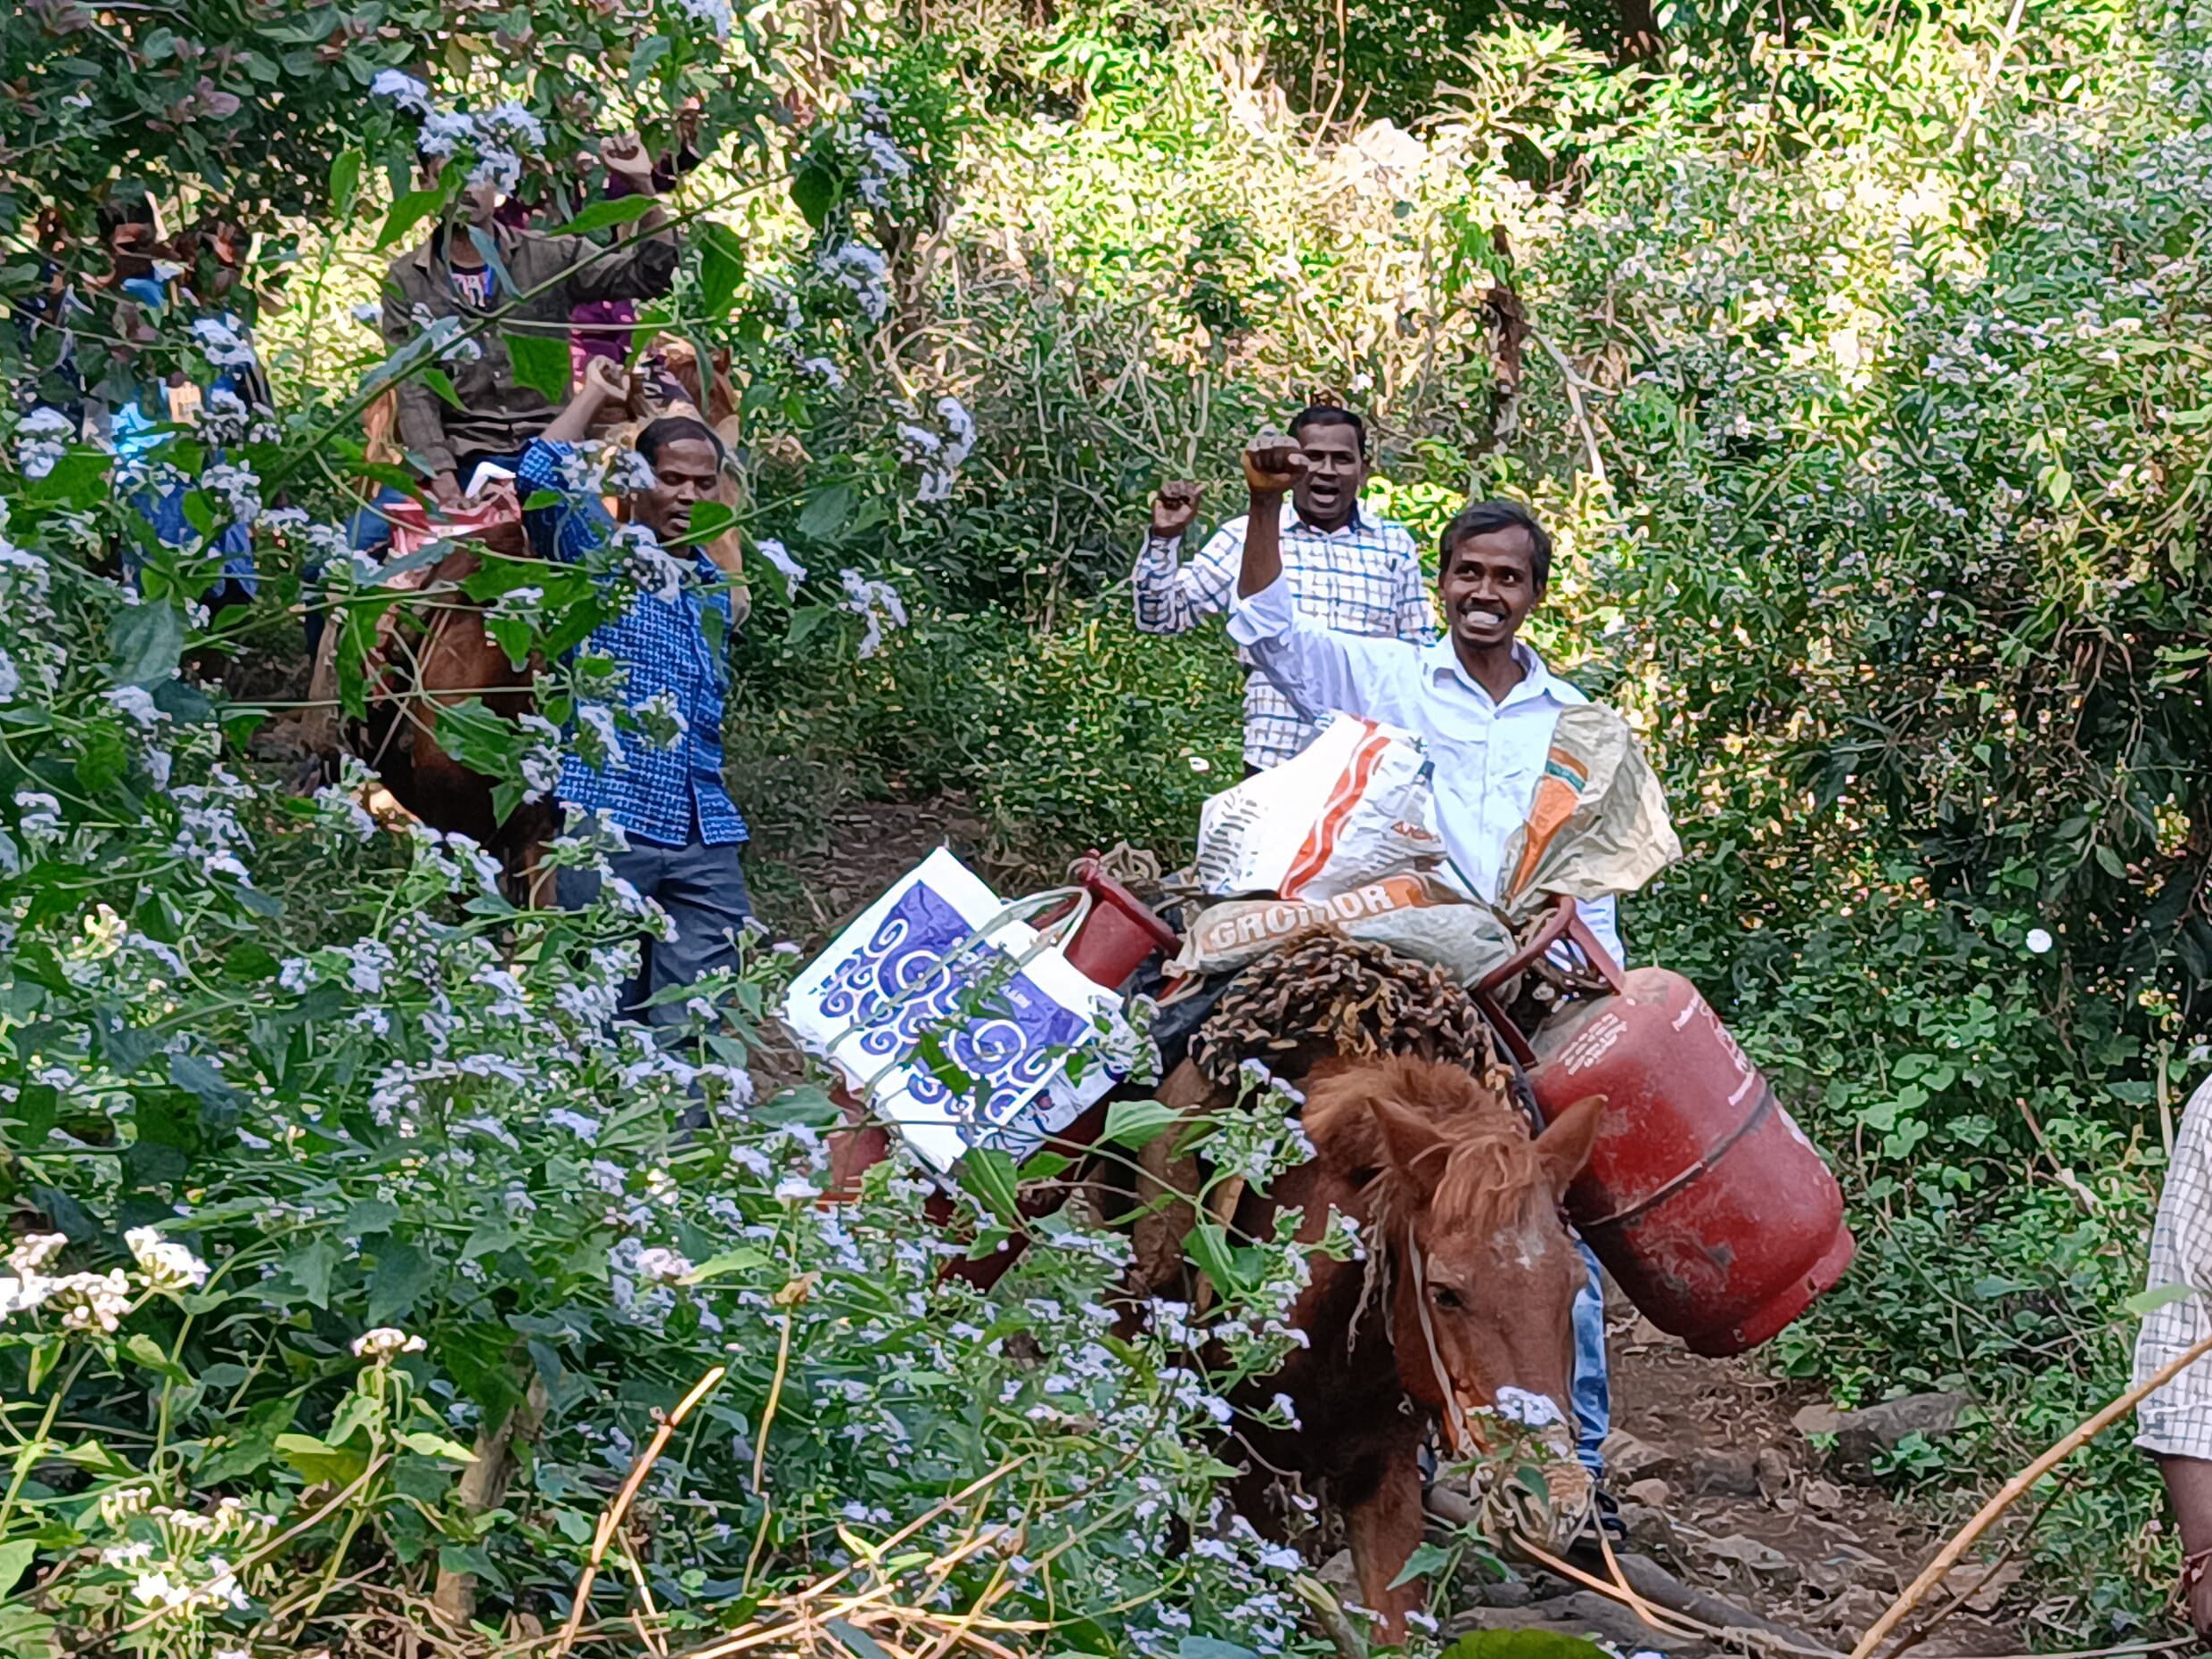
(703, 891)
(1594, 1395)
(669, 797)
(138, 436)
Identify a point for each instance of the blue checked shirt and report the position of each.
(669, 797)
(1364, 579)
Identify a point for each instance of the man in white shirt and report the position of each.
(1481, 701)
(1352, 570)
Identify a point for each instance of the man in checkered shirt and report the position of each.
(2174, 1423)
(671, 804)
(1349, 571)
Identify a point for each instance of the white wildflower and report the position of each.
(716, 14)
(667, 1266)
(502, 169)
(662, 720)
(136, 701)
(384, 1342)
(861, 271)
(777, 555)
(239, 489)
(222, 343)
(42, 438)
(1534, 1411)
(91, 1301)
(600, 745)
(875, 603)
(402, 89)
(514, 124)
(41, 819)
(166, 1264)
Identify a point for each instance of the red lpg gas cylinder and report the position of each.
(1702, 1198)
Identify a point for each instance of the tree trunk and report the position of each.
(483, 1487)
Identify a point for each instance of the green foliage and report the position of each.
(1884, 331)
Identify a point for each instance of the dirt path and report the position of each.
(1720, 1488)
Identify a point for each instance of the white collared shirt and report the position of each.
(1364, 577)
(1489, 754)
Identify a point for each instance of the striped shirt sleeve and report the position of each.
(1172, 597)
(1416, 616)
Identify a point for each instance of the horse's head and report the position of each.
(1482, 1274)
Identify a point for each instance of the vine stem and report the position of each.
(29, 1456)
(2013, 1491)
(610, 1522)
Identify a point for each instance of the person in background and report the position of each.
(450, 275)
(140, 416)
(1350, 569)
(672, 804)
(2174, 1423)
(1481, 700)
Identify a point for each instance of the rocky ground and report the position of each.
(1722, 1484)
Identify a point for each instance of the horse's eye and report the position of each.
(1445, 1296)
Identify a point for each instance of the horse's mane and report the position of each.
(1489, 1174)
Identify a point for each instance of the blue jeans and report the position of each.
(701, 888)
(1594, 1394)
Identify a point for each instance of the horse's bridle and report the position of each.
(1463, 1433)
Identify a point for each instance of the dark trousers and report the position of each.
(702, 888)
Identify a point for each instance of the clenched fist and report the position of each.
(1273, 464)
(1174, 508)
(606, 381)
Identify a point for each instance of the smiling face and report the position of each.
(1335, 473)
(686, 471)
(1488, 588)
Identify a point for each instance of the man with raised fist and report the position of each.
(1350, 569)
(1480, 701)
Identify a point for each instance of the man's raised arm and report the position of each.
(1272, 464)
(1318, 668)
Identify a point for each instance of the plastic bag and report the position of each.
(1598, 824)
(1350, 807)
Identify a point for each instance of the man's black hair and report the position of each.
(676, 429)
(1328, 414)
(1483, 518)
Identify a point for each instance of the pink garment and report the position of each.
(600, 328)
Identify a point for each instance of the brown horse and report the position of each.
(1467, 1290)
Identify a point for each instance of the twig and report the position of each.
(775, 1395)
(2013, 1490)
(1342, 1633)
(646, 1591)
(1921, 1633)
(612, 1518)
(1675, 1624)
(1637, 1603)
(1572, 378)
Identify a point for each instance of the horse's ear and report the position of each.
(1565, 1146)
(1407, 1137)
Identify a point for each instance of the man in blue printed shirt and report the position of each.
(671, 803)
